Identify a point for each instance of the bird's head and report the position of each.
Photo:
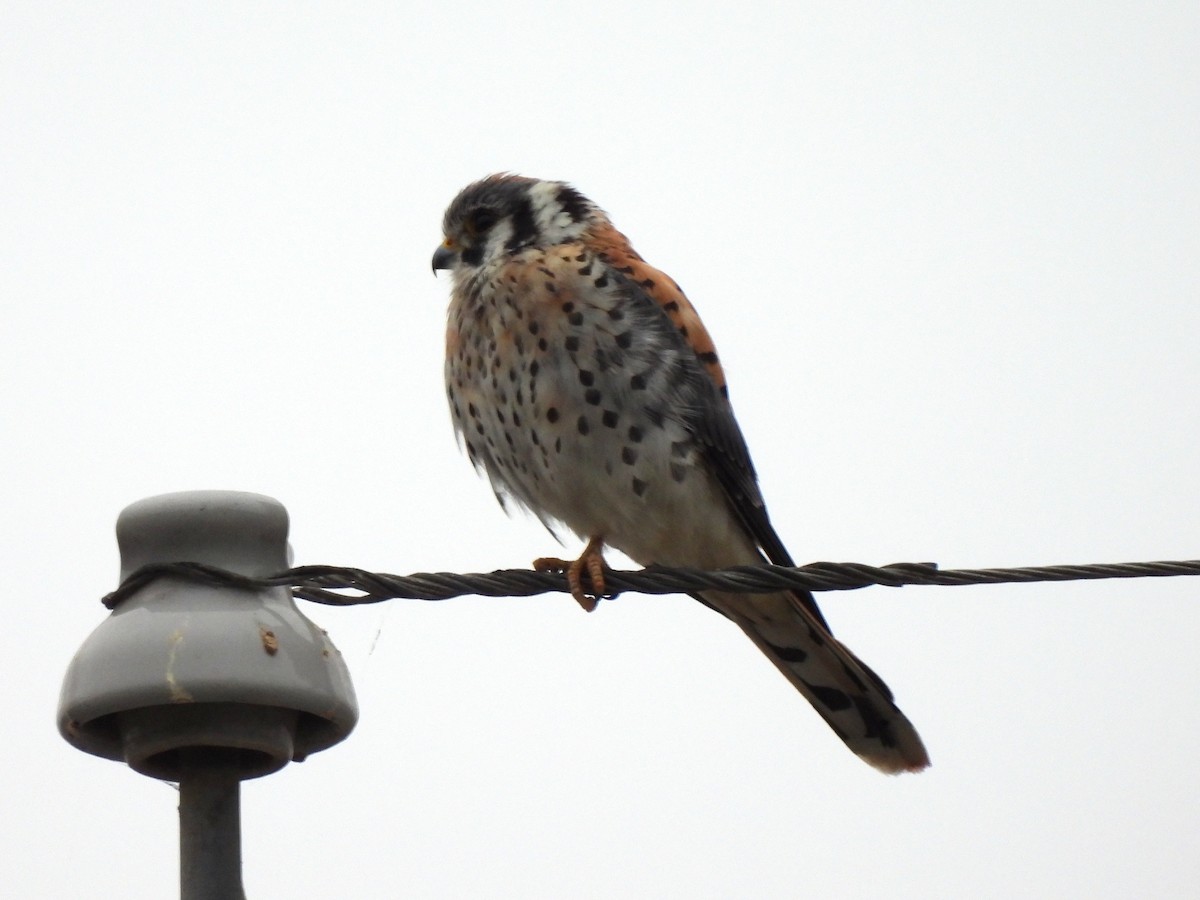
(505, 214)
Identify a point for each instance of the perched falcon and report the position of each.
(582, 381)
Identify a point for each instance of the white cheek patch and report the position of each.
(497, 240)
(554, 223)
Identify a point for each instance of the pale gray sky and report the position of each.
(951, 258)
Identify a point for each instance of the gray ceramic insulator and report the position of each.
(181, 667)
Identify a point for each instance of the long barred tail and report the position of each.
(849, 696)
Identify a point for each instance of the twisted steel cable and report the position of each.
(326, 584)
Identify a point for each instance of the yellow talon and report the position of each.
(592, 559)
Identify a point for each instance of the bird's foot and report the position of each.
(591, 561)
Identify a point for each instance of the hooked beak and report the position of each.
(444, 257)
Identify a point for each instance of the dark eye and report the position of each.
(480, 221)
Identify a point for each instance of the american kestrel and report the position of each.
(583, 382)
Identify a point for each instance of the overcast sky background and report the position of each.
(951, 259)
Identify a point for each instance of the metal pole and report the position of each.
(210, 829)
(238, 701)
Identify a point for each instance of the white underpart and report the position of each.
(586, 484)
